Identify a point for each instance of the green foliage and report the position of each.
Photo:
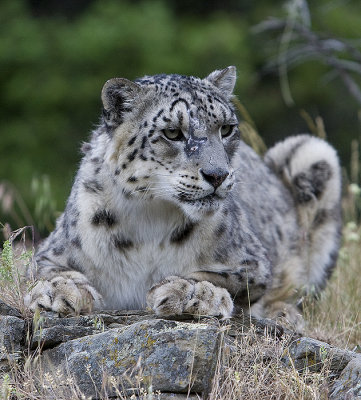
(16, 257)
(7, 389)
(7, 263)
(53, 69)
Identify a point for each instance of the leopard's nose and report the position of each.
(215, 176)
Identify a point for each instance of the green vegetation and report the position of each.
(15, 257)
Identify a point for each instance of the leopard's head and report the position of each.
(173, 138)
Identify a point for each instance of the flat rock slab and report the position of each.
(168, 356)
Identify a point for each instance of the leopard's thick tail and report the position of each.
(310, 168)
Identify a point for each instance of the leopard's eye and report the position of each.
(173, 134)
(226, 130)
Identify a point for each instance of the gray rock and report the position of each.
(8, 310)
(348, 386)
(169, 356)
(7, 360)
(12, 339)
(310, 353)
(12, 333)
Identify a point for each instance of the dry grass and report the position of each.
(252, 368)
(336, 316)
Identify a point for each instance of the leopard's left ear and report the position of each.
(224, 79)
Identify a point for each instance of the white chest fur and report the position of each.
(123, 276)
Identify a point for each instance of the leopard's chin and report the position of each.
(196, 209)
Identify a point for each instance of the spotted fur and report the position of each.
(169, 200)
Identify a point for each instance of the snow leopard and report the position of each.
(172, 211)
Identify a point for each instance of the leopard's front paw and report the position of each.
(67, 293)
(175, 296)
(208, 299)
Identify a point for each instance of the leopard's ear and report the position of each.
(118, 96)
(224, 79)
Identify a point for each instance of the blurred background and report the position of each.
(299, 69)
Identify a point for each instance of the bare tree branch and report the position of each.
(308, 45)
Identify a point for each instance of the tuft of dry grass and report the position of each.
(15, 257)
(252, 368)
